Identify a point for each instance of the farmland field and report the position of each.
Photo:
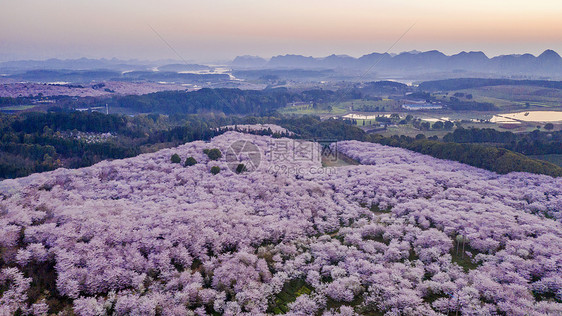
(515, 96)
(15, 108)
(342, 108)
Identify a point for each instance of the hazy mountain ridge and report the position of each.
(426, 65)
(547, 63)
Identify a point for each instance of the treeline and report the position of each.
(534, 143)
(313, 128)
(49, 153)
(492, 158)
(36, 122)
(36, 142)
(470, 83)
(228, 101)
(58, 101)
(7, 101)
(307, 127)
(463, 105)
(368, 107)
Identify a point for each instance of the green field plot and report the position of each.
(372, 105)
(310, 109)
(342, 108)
(14, 108)
(372, 122)
(515, 96)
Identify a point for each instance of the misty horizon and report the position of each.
(222, 30)
(268, 57)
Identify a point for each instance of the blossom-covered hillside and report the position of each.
(400, 234)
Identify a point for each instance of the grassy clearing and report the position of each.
(291, 290)
(464, 260)
(308, 109)
(514, 96)
(342, 108)
(16, 108)
(363, 105)
(340, 160)
(409, 130)
(331, 304)
(367, 123)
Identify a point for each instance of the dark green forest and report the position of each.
(492, 158)
(533, 143)
(36, 142)
(228, 101)
(470, 83)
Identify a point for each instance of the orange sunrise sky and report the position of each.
(218, 29)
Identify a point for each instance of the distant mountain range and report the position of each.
(408, 65)
(549, 63)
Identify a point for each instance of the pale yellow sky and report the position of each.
(220, 29)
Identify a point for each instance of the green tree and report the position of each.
(241, 168)
(438, 125)
(549, 126)
(175, 158)
(409, 118)
(424, 126)
(215, 170)
(190, 161)
(213, 154)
